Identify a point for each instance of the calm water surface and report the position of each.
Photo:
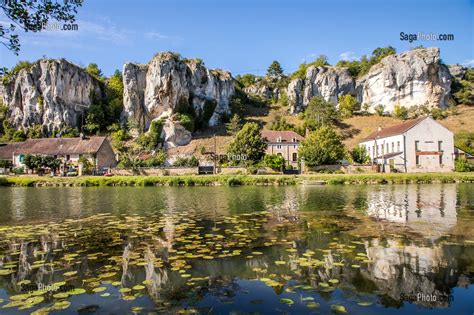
(242, 250)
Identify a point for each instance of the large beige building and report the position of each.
(418, 145)
(284, 143)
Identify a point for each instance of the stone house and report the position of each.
(418, 145)
(284, 143)
(97, 149)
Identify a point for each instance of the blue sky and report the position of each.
(246, 35)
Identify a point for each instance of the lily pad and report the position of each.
(339, 309)
(287, 301)
(61, 305)
(313, 305)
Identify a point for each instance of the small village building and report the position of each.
(283, 143)
(418, 145)
(97, 149)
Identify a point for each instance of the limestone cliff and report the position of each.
(411, 78)
(169, 84)
(51, 93)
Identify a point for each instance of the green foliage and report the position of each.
(275, 70)
(186, 121)
(438, 113)
(31, 16)
(35, 162)
(67, 132)
(86, 165)
(379, 109)
(93, 70)
(19, 136)
(322, 147)
(246, 80)
(464, 140)
(5, 164)
(279, 123)
(35, 132)
(22, 64)
(400, 112)
(114, 94)
(320, 113)
(463, 90)
(321, 61)
(462, 165)
(234, 125)
(237, 102)
(359, 155)
(186, 162)
(152, 138)
(248, 145)
(156, 160)
(3, 117)
(274, 161)
(358, 68)
(283, 100)
(348, 104)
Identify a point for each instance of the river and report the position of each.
(388, 249)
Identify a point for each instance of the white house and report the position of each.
(418, 145)
(283, 143)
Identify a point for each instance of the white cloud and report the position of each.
(348, 56)
(468, 63)
(156, 35)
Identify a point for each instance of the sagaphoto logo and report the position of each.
(55, 26)
(421, 36)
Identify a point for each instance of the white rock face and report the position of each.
(412, 78)
(51, 93)
(261, 90)
(168, 85)
(174, 134)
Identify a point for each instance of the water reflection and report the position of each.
(227, 249)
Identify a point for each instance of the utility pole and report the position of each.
(215, 155)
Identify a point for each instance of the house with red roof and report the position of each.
(417, 145)
(283, 143)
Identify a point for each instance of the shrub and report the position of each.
(379, 109)
(274, 161)
(186, 121)
(359, 155)
(186, 162)
(438, 113)
(347, 105)
(400, 112)
(321, 147)
(19, 136)
(462, 165)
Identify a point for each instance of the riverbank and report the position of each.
(236, 180)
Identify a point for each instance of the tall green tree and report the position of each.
(32, 16)
(348, 104)
(248, 147)
(320, 113)
(275, 70)
(322, 147)
(114, 91)
(234, 125)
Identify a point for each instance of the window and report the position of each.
(295, 156)
(68, 157)
(417, 160)
(440, 146)
(393, 146)
(398, 146)
(387, 148)
(417, 145)
(278, 146)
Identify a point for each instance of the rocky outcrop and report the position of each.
(262, 91)
(457, 71)
(412, 78)
(50, 93)
(174, 134)
(169, 84)
(416, 77)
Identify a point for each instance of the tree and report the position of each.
(248, 146)
(186, 162)
(359, 155)
(347, 105)
(464, 140)
(381, 52)
(93, 70)
(274, 161)
(275, 70)
(319, 113)
(322, 147)
(246, 79)
(19, 136)
(234, 125)
(114, 92)
(321, 61)
(32, 16)
(35, 132)
(400, 112)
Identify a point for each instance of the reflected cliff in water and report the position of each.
(221, 249)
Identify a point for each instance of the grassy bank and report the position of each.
(236, 180)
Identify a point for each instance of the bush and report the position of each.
(348, 104)
(19, 136)
(379, 109)
(462, 165)
(400, 112)
(186, 121)
(248, 145)
(438, 113)
(320, 113)
(322, 147)
(274, 161)
(359, 155)
(186, 162)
